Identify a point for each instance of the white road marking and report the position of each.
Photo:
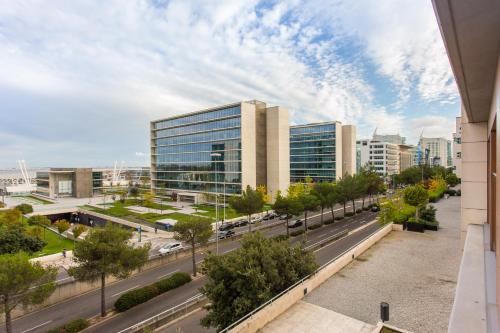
(124, 291)
(38, 326)
(165, 275)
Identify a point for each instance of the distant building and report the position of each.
(323, 152)
(389, 138)
(406, 157)
(457, 148)
(436, 151)
(384, 157)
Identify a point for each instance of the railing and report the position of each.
(250, 314)
(182, 308)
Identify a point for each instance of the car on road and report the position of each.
(285, 216)
(240, 223)
(226, 226)
(226, 234)
(171, 248)
(269, 216)
(375, 208)
(255, 219)
(295, 223)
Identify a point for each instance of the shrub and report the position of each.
(414, 220)
(314, 226)
(141, 295)
(459, 193)
(428, 214)
(329, 221)
(359, 210)
(433, 197)
(451, 192)
(366, 208)
(297, 232)
(73, 326)
(349, 214)
(280, 238)
(24, 208)
(338, 218)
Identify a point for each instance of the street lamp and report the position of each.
(216, 204)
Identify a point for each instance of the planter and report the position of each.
(397, 227)
(416, 227)
(431, 226)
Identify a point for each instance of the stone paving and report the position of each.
(415, 273)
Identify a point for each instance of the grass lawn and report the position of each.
(121, 211)
(230, 213)
(137, 202)
(55, 244)
(34, 200)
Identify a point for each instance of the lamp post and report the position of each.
(216, 204)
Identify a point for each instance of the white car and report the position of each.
(255, 219)
(171, 248)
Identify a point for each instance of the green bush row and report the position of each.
(435, 195)
(404, 214)
(141, 295)
(327, 222)
(338, 218)
(73, 326)
(349, 214)
(314, 226)
(280, 238)
(297, 232)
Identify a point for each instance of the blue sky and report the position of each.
(80, 80)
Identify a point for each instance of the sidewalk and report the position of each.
(415, 273)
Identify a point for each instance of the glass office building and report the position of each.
(195, 151)
(314, 153)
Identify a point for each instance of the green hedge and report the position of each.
(73, 326)
(365, 208)
(404, 214)
(280, 238)
(338, 218)
(359, 210)
(314, 226)
(329, 221)
(349, 214)
(297, 232)
(141, 295)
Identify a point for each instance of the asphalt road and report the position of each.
(87, 305)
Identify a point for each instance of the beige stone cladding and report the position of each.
(278, 150)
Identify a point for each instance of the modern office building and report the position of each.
(471, 35)
(322, 152)
(405, 157)
(220, 150)
(87, 182)
(457, 148)
(384, 157)
(437, 151)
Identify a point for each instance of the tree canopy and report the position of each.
(106, 251)
(288, 206)
(23, 282)
(242, 280)
(250, 202)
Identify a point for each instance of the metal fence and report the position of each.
(156, 321)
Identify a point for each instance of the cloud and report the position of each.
(90, 75)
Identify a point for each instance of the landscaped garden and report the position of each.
(55, 243)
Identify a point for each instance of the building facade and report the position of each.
(457, 148)
(390, 138)
(471, 35)
(384, 157)
(436, 151)
(220, 150)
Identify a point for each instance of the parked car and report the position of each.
(240, 223)
(284, 217)
(269, 216)
(255, 219)
(226, 234)
(171, 248)
(375, 208)
(226, 226)
(295, 224)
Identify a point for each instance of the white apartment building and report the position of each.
(383, 156)
(436, 151)
(457, 148)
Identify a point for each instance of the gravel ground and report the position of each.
(415, 273)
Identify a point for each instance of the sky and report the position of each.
(81, 80)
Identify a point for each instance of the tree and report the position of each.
(25, 208)
(309, 203)
(147, 199)
(10, 217)
(452, 179)
(193, 230)
(23, 282)
(350, 189)
(13, 239)
(322, 191)
(122, 193)
(41, 221)
(287, 206)
(416, 196)
(78, 230)
(242, 280)
(250, 202)
(295, 190)
(134, 192)
(262, 189)
(62, 225)
(104, 252)
(332, 199)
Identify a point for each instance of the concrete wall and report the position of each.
(348, 149)
(474, 174)
(260, 143)
(281, 304)
(278, 150)
(83, 183)
(248, 149)
(339, 160)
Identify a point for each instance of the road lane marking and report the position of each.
(165, 275)
(124, 291)
(38, 326)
